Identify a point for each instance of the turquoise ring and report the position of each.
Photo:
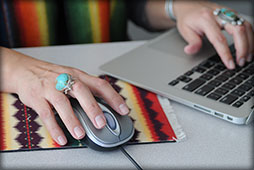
(228, 16)
(64, 83)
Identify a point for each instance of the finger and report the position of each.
(193, 39)
(241, 42)
(62, 105)
(89, 104)
(250, 36)
(46, 114)
(103, 89)
(218, 40)
(106, 91)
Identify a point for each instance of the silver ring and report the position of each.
(228, 16)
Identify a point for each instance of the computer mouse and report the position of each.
(118, 130)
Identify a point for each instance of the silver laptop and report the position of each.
(201, 81)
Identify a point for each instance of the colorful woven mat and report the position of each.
(153, 117)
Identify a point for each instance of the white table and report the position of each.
(210, 143)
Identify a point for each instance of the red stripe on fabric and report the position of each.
(27, 128)
(56, 144)
(2, 134)
(149, 123)
(104, 14)
(27, 20)
(166, 128)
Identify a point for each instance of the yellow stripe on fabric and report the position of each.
(95, 20)
(42, 22)
(10, 133)
(136, 112)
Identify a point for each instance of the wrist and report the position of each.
(178, 6)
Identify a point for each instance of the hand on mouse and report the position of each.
(34, 81)
(196, 18)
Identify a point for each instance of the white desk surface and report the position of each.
(210, 143)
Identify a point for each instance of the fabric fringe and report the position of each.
(170, 113)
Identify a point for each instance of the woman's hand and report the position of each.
(195, 19)
(34, 81)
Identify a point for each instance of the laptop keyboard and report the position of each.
(216, 82)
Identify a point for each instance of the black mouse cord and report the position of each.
(130, 158)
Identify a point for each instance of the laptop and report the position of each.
(200, 81)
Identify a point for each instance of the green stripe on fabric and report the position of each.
(118, 20)
(78, 21)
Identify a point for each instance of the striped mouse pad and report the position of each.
(153, 117)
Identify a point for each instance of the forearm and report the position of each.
(157, 16)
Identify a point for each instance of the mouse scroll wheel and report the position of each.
(110, 120)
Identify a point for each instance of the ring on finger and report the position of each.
(64, 83)
(228, 16)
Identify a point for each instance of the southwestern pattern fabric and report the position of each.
(21, 128)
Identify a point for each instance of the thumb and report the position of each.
(193, 39)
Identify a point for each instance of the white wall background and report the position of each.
(242, 6)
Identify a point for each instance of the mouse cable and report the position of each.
(130, 158)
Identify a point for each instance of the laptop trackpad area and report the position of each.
(175, 46)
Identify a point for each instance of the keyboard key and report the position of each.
(249, 71)
(215, 58)
(251, 93)
(189, 73)
(221, 91)
(222, 78)
(206, 76)
(220, 67)
(214, 83)
(245, 87)
(199, 69)
(238, 68)
(213, 72)
(207, 64)
(235, 81)
(242, 76)
(250, 82)
(245, 98)
(228, 86)
(194, 85)
(238, 104)
(229, 99)
(228, 73)
(214, 96)
(184, 79)
(238, 92)
(173, 83)
(204, 90)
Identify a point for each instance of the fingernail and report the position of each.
(61, 140)
(100, 121)
(231, 64)
(249, 58)
(124, 109)
(78, 132)
(241, 62)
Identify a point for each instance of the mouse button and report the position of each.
(103, 137)
(110, 120)
(127, 128)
